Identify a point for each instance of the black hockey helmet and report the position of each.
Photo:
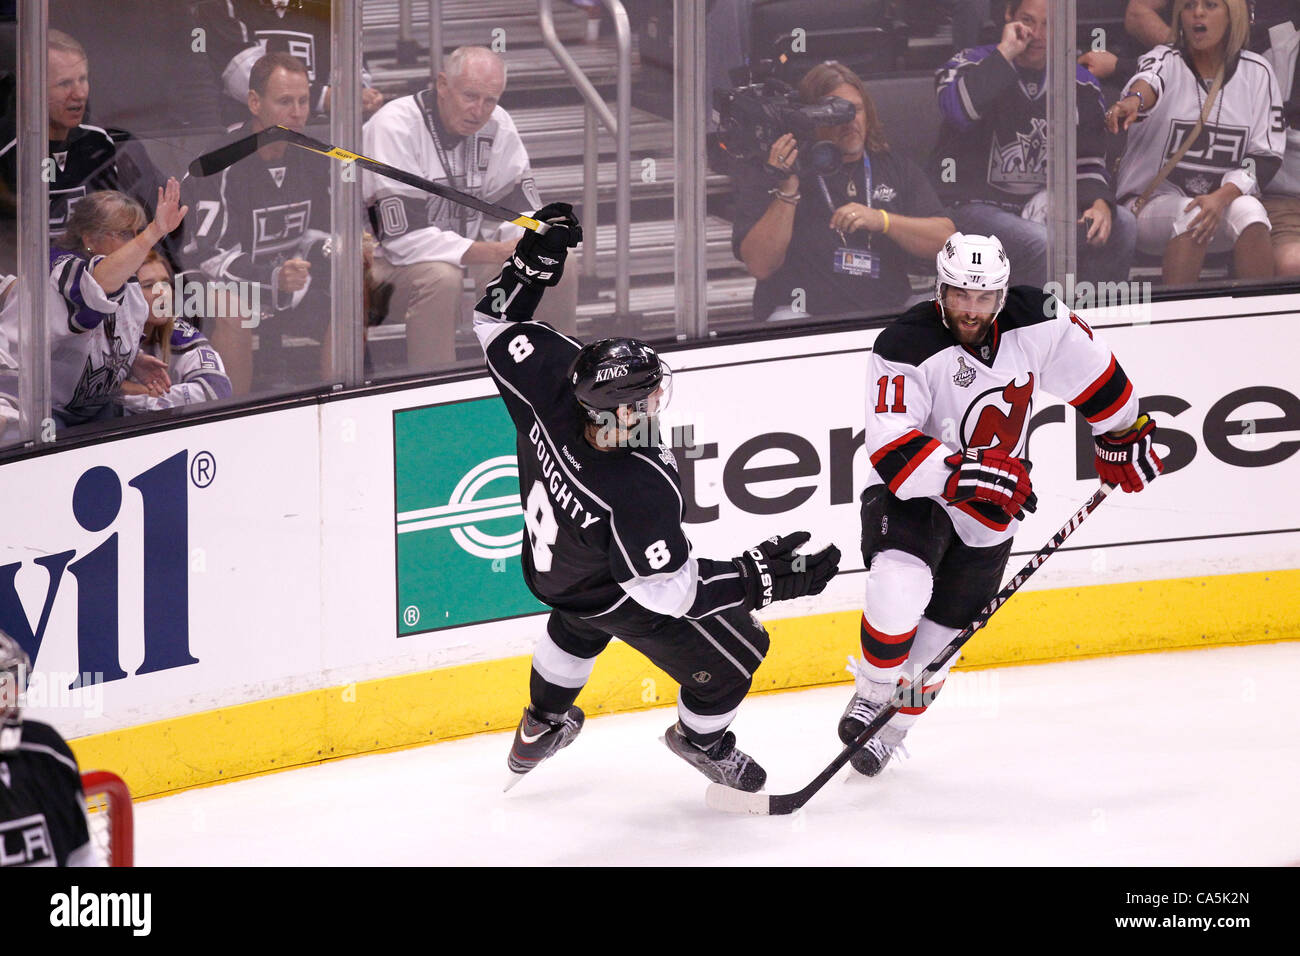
(611, 373)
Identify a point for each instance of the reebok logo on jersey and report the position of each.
(613, 371)
(577, 465)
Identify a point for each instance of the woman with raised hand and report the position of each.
(97, 313)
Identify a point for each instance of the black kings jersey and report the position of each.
(592, 518)
(603, 529)
(929, 397)
(241, 32)
(251, 217)
(42, 809)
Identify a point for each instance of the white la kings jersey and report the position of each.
(1241, 143)
(194, 366)
(1283, 47)
(414, 226)
(929, 397)
(94, 336)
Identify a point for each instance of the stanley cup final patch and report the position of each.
(965, 374)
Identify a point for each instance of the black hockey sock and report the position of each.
(703, 741)
(550, 698)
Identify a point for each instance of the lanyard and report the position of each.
(448, 170)
(830, 203)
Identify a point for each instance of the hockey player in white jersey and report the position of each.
(1203, 196)
(950, 386)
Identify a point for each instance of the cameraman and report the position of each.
(839, 242)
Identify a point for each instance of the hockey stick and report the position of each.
(762, 804)
(225, 156)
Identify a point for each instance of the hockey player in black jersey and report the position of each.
(42, 807)
(949, 390)
(604, 545)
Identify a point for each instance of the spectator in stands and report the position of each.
(839, 243)
(1197, 192)
(8, 362)
(1148, 21)
(196, 371)
(95, 309)
(158, 93)
(1145, 22)
(968, 20)
(458, 134)
(83, 158)
(241, 32)
(1282, 195)
(991, 161)
(262, 227)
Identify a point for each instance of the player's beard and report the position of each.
(967, 333)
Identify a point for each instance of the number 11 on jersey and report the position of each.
(883, 385)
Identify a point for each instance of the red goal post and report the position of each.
(108, 809)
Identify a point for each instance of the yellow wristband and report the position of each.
(886, 215)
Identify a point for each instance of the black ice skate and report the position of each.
(869, 699)
(722, 763)
(538, 737)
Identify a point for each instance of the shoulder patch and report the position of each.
(185, 336)
(914, 336)
(1026, 306)
(39, 734)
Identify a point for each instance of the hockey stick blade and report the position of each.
(729, 800)
(223, 157)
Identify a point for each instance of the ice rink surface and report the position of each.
(1182, 758)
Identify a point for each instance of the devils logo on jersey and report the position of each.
(1000, 418)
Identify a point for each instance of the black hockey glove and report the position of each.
(772, 571)
(539, 259)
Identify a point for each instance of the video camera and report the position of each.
(751, 118)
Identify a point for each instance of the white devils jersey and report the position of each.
(929, 397)
(414, 226)
(1245, 123)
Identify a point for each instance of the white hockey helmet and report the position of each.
(972, 262)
